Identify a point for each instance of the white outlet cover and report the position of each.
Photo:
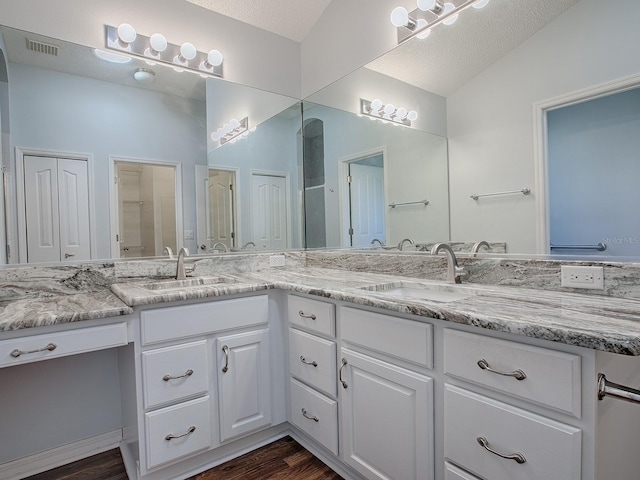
(188, 235)
(276, 261)
(586, 277)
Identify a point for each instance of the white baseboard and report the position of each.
(56, 457)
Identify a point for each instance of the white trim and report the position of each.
(21, 152)
(343, 188)
(287, 180)
(540, 151)
(56, 457)
(113, 198)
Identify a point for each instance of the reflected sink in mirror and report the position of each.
(420, 291)
(187, 283)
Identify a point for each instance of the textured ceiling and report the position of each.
(453, 55)
(291, 19)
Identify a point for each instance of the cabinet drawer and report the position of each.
(451, 472)
(552, 378)
(315, 414)
(550, 449)
(400, 338)
(313, 360)
(175, 372)
(169, 323)
(188, 422)
(312, 314)
(34, 348)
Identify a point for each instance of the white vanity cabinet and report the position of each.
(204, 378)
(387, 409)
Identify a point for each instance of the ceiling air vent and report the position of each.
(41, 47)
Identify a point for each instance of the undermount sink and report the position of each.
(187, 283)
(421, 291)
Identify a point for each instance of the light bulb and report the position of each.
(399, 17)
(234, 123)
(188, 51)
(412, 116)
(426, 5)
(214, 57)
(401, 113)
(449, 7)
(220, 132)
(215, 137)
(158, 42)
(126, 34)
(480, 4)
(389, 108)
(421, 24)
(252, 129)
(376, 105)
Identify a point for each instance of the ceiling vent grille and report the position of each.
(41, 47)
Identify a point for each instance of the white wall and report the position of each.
(415, 169)
(490, 119)
(68, 113)
(252, 56)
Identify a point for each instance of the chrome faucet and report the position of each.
(180, 272)
(478, 245)
(376, 240)
(402, 242)
(248, 244)
(216, 245)
(454, 272)
(169, 252)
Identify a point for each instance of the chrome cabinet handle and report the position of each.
(304, 315)
(343, 364)
(171, 436)
(314, 418)
(50, 347)
(517, 457)
(517, 374)
(307, 362)
(225, 350)
(188, 373)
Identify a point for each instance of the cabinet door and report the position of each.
(387, 419)
(244, 382)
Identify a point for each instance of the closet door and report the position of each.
(73, 201)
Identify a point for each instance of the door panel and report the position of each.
(73, 199)
(269, 212)
(367, 204)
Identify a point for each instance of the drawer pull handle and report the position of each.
(307, 362)
(517, 457)
(188, 373)
(225, 350)
(342, 365)
(304, 315)
(314, 418)
(50, 347)
(171, 436)
(517, 374)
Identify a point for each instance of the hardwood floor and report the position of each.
(284, 459)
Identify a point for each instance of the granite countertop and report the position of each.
(591, 321)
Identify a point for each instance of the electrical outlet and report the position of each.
(276, 261)
(582, 277)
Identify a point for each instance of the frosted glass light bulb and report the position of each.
(480, 4)
(399, 17)
(214, 57)
(376, 105)
(158, 42)
(426, 5)
(215, 137)
(389, 108)
(448, 7)
(401, 113)
(421, 24)
(188, 51)
(126, 33)
(412, 115)
(234, 123)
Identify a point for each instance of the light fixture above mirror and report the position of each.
(375, 109)
(156, 49)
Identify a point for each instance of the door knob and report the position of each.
(203, 247)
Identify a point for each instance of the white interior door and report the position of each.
(56, 209)
(221, 207)
(269, 211)
(367, 204)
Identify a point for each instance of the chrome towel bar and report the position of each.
(524, 191)
(598, 246)
(610, 389)
(394, 204)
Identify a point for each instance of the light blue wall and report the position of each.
(594, 173)
(69, 113)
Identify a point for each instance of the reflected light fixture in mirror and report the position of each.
(232, 131)
(144, 76)
(375, 109)
(429, 13)
(156, 49)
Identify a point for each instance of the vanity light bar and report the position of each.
(429, 13)
(155, 49)
(232, 131)
(377, 110)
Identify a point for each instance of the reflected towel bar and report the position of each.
(599, 246)
(622, 392)
(394, 204)
(524, 191)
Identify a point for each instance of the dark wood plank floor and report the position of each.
(284, 459)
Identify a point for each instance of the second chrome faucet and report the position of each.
(454, 272)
